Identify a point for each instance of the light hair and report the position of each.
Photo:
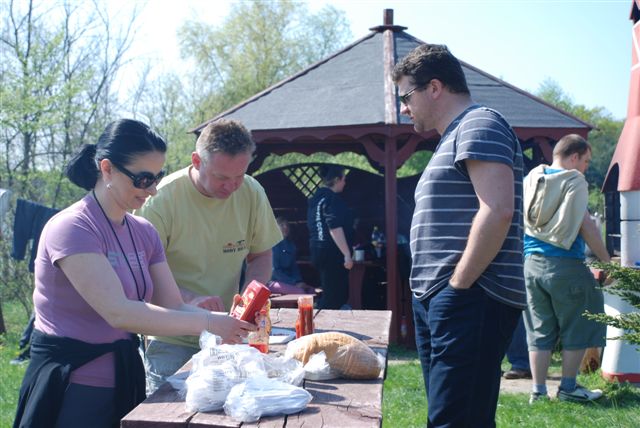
(224, 136)
(570, 144)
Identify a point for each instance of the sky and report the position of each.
(584, 46)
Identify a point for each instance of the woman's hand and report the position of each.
(348, 262)
(230, 329)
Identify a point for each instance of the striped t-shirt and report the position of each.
(446, 204)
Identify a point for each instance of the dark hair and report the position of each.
(570, 144)
(331, 173)
(120, 142)
(428, 62)
(227, 136)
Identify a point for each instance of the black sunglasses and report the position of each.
(142, 180)
(406, 97)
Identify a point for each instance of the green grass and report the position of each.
(405, 405)
(11, 376)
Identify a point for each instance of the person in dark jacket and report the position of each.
(101, 276)
(330, 224)
(286, 277)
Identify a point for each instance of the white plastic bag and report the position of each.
(261, 396)
(219, 367)
(178, 382)
(317, 368)
(284, 369)
(209, 340)
(208, 387)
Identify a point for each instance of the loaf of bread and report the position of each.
(303, 348)
(355, 361)
(345, 354)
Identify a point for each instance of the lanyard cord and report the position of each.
(144, 282)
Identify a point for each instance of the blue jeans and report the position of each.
(462, 336)
(163, 359)
(517, 352)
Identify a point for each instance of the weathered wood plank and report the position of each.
(213, 419)
(164, 408)
(341, 403)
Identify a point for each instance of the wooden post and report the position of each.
(391, 230)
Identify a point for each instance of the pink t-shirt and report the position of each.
(60, 310)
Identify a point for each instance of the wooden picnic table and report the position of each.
(356, 284)
(339, 402)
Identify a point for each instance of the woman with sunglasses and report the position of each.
(100, 278)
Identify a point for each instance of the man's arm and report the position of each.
(591, 235)
(210, 303)
(494, 186)
(258, 267)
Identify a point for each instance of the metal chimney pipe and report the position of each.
(387, 17)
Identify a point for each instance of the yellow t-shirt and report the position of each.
(207, 239)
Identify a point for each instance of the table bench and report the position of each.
(339, 402)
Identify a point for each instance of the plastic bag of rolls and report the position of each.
(346, 355)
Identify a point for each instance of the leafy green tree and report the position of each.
(168, 108)
(603, 138)
(59, 62)
(258, 44)
(626, 285)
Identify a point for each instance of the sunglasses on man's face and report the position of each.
(142, 180)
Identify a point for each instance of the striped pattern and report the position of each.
(446, 204)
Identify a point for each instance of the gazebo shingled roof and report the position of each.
(348, 102)
(350, 88)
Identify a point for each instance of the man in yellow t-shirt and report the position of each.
(211, 218)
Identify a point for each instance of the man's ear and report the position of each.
(435, 88)
(196, 160)
(574, 158)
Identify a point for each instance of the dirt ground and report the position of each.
(516, 386)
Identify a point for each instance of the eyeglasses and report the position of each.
(405, 98)
(142, 180)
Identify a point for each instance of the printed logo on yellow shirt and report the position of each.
(234, 247)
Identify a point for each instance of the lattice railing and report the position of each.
(305, 177)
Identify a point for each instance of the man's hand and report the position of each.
(210, 303)
(608, 280)
(460, 287)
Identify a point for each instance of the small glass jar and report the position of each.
(304, 323)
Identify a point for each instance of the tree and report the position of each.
(258, 44)
(168, 107)
(59, 60)
(627, 287)
(603, 138)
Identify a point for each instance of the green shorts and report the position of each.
(559, 291)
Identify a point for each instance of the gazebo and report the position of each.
(348, 103)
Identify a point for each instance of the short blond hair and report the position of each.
(570, 144)
(226, 136)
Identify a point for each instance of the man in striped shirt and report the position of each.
(466, 240)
